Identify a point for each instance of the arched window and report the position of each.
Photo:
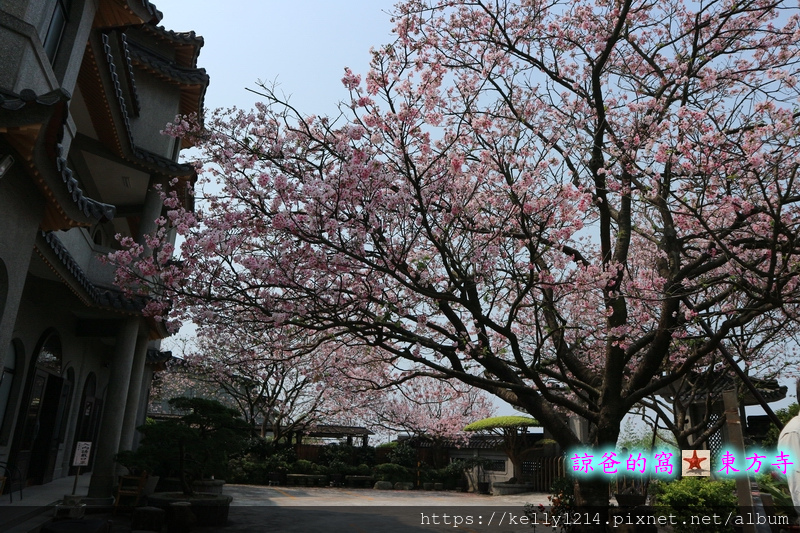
(50, 355)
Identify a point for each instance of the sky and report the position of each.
(304, 45)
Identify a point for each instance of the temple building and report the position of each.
(86, 86)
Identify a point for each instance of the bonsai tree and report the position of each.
(513, 429)
(197, 443)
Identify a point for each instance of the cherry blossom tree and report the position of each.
(285, 384)
(568, 205)
(436, 409)
(260, 377)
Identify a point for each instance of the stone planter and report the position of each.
(277, 478)
(70, 508)
(208, 509)
(208, 486)
(71, 500)
(148, 518)
(502, 489)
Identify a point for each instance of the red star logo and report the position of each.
(694, 461)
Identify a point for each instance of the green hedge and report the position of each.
(393, 473)
(691, 498)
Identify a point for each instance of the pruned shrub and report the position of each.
(692, 497)
(393, 473)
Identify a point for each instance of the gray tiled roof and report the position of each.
(15, 102)
(102, 297)
(145, 156)
(157, 356)
(152, 9)
(338, 431)
(185, 37)
(189, 76)
(91, 208)
(723, 380)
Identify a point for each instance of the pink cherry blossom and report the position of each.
(570, 206)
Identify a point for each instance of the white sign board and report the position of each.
(82, 450)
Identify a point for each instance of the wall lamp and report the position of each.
(5, 163)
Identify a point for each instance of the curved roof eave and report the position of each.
(193, 82)
(187, 44)
(54, 253)
(129, 151)
(172, 73)
(120, 13)
(43, 112)
(148, 8)
(89, 293)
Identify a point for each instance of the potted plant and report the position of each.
(136, 464)
(195, 446)
(476, 466)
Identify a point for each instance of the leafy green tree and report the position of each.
(513, 429)
(197, 443)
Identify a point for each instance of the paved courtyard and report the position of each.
(292, 509)
(254, 495)
(257, 509)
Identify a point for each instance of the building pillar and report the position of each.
(153, 205)
(134, 392)
(101, 484)
(19, 226)
(144, 402)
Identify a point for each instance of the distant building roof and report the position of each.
(473, 442)
(157, 356)
(722, 380)
(333, 431)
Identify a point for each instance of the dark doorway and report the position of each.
(44, 412)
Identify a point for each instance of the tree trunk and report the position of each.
(516, 468)
(591, 505)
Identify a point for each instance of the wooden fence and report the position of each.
(309, 452)
(542, 471)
